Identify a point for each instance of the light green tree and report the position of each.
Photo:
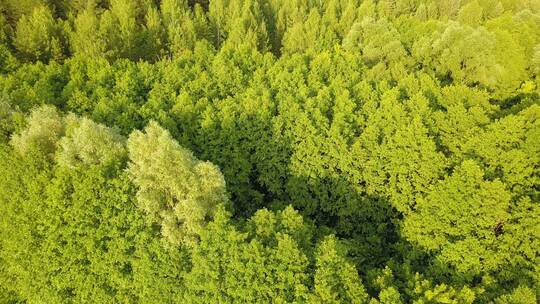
(520, 295)
(44, 128)
(471, 14)
(462, 54)
(397, 157)
(89, 143)
(86, 39)
(175, 189)
(270, 262)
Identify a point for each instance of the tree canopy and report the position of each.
(282, 151)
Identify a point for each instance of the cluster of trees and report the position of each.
(93, 217)
(255, 151)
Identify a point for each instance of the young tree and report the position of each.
(250, 27)
(520, 295)
(471, 14)
(181, 31)
(121, 30)
(86, 39)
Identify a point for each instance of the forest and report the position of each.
(270, 151)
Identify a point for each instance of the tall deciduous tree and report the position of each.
(177, 190)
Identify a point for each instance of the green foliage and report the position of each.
(509, 149)
(461, 219)
(8, 61)
(404, 133)
(269, 262)
(87, 143)
(87, 240)
(518, 296)
(175, 188)
(45, 127)
(379, 43)
(10, 120)
(465, 55)
(228, 267)
(336, 280)
(85, 38)
(398, 157)
(39, 36)
(471, 14)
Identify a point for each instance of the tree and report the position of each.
(471, 14)
(379, 43)
(86, 39)
(520, 295)
(250, 27)
(269, 262)
(397, 157)
(336, 280)
(310, 34)
(175, 189)
(120, 29)
(229, 266)
(509, 150)
(463, 114)
(413, 287)
(8, 62)
(463, 55)
(460, 221)
(13, 10)
(44, 128)
(128, 29)
(182, 33)
(153, 37)
(23, 203)
(39, 36)
(89, 143)
(405, 132)
(10, 120)
(80, 236)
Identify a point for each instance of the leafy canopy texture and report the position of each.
(270, 151)
(89, 143)
(44, 128)
(176, 189)
(271, 261)
(461, 219)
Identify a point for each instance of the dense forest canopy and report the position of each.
(270, 151)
